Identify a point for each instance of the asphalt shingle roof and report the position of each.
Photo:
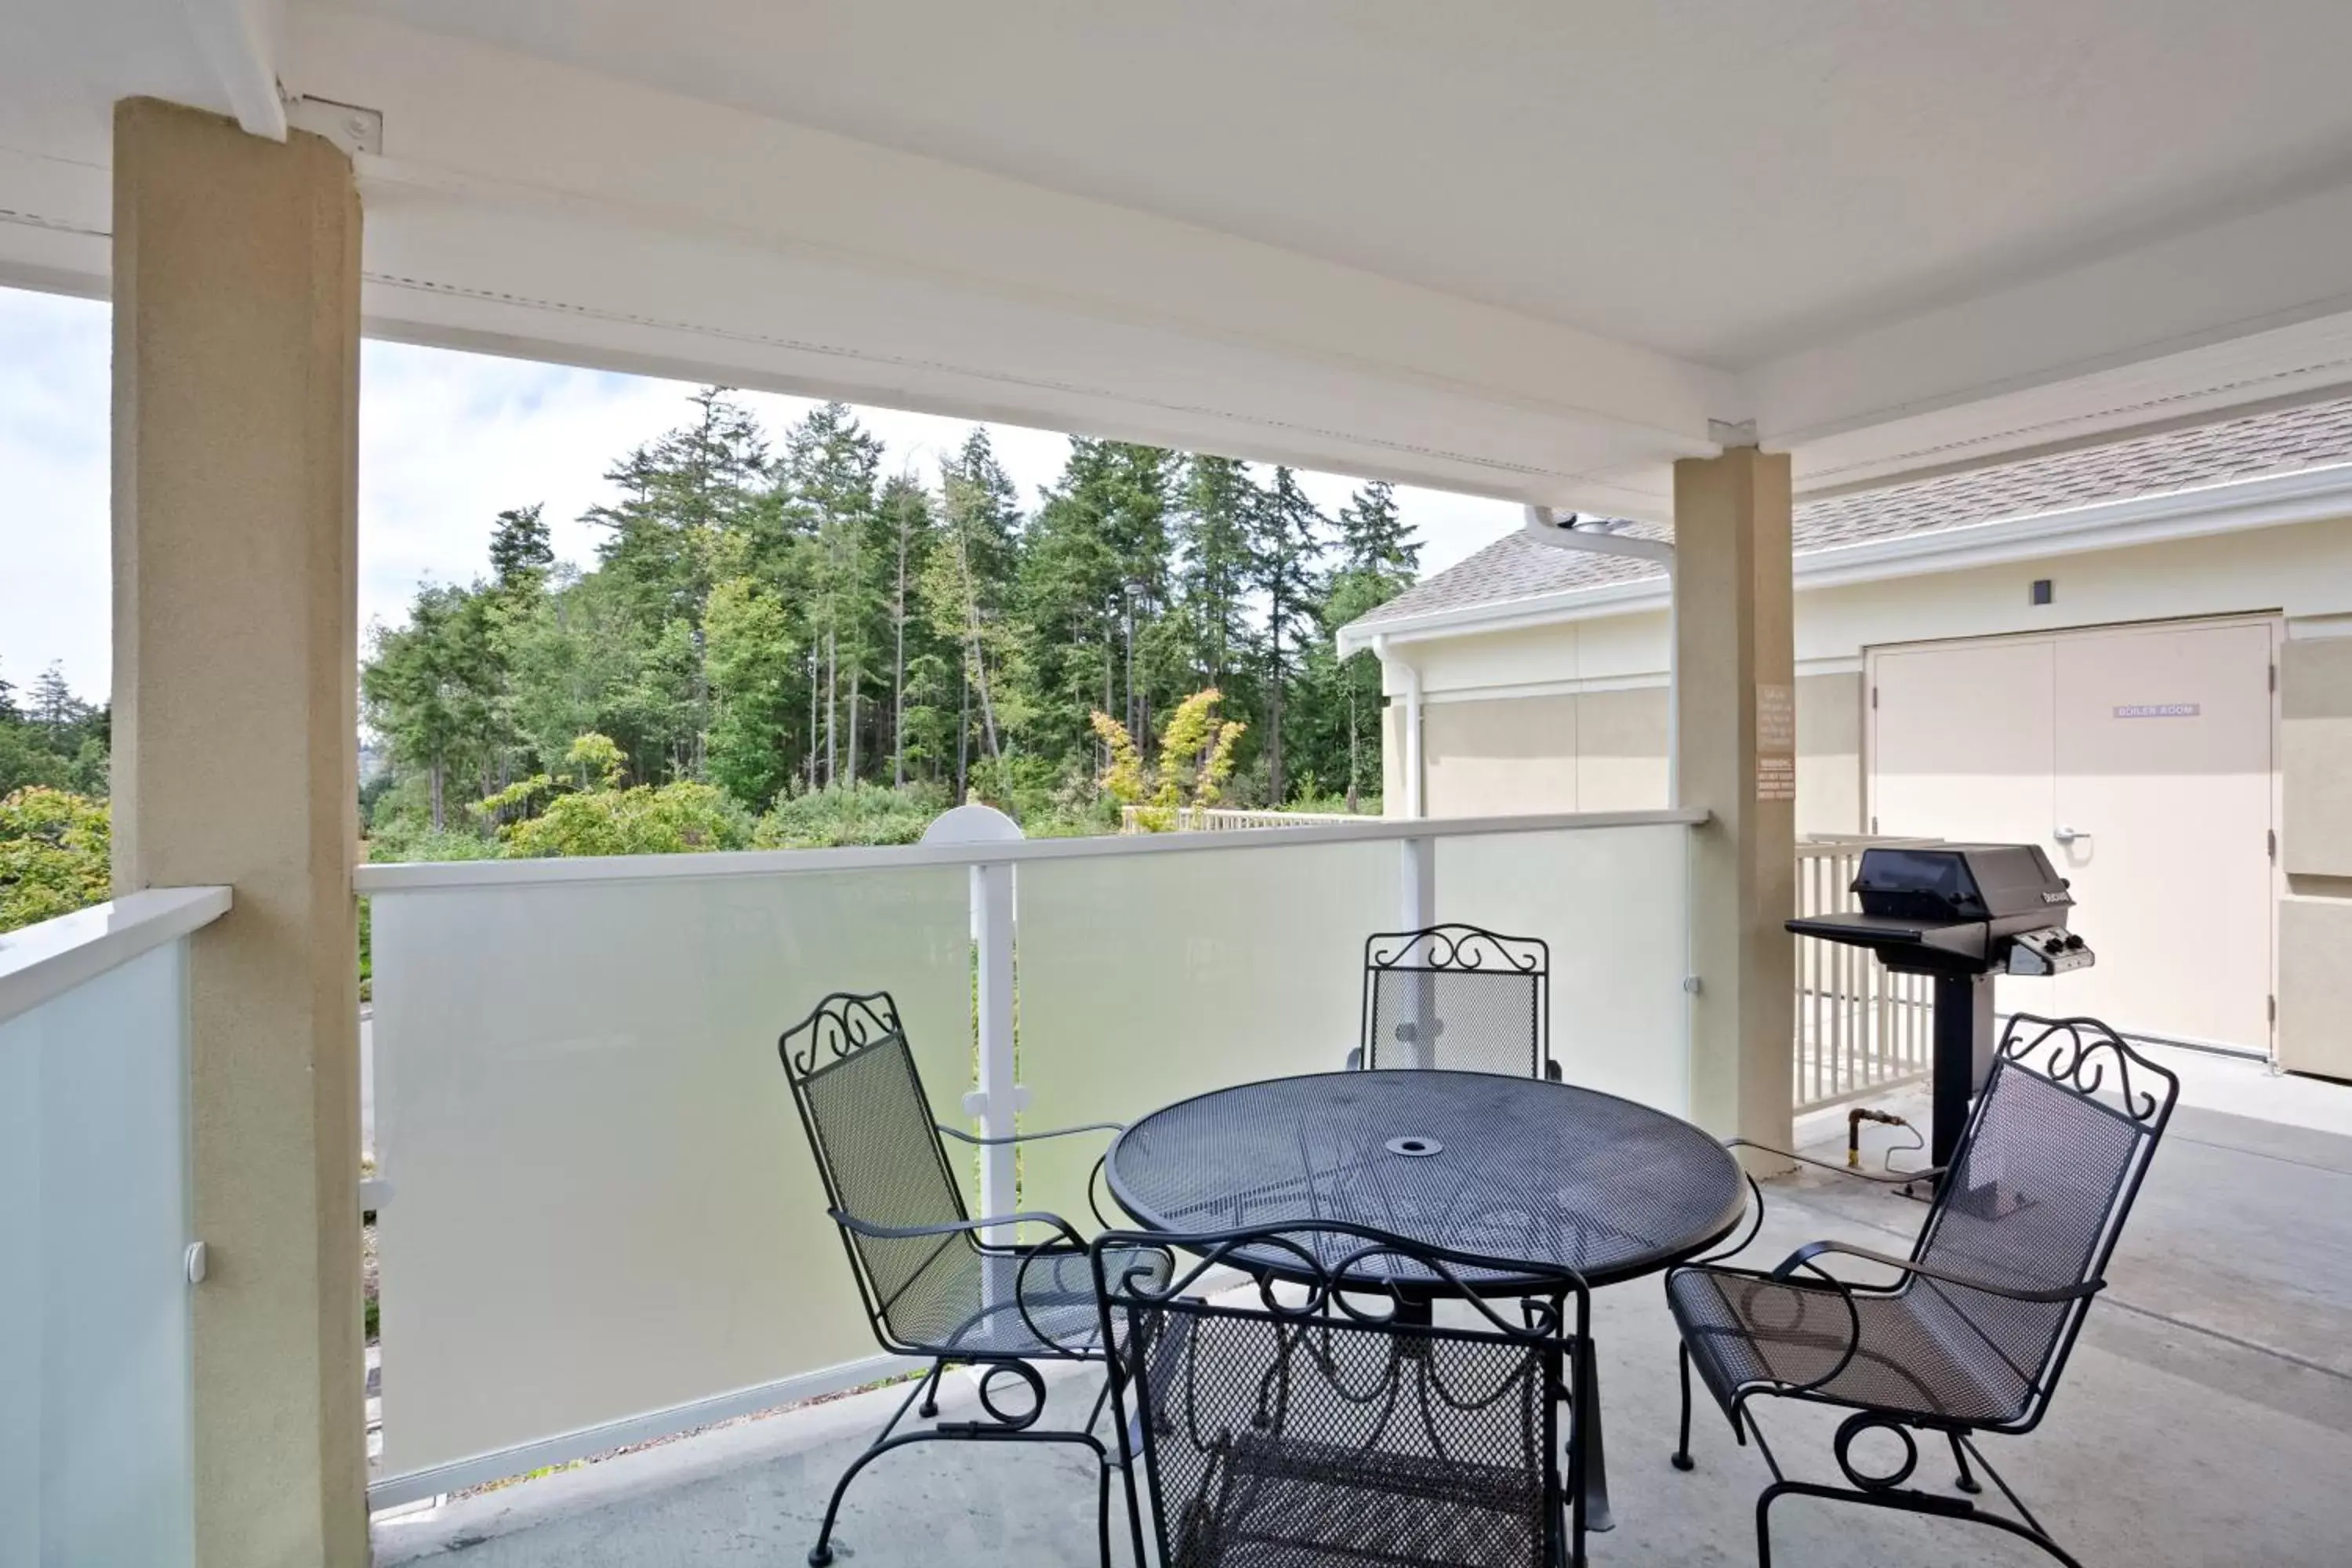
(2257, 445)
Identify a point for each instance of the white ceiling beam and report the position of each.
(239, 41)
(2230, 310)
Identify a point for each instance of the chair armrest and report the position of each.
(961, 1136)
(1895, 1179)
(958, 1227)
(1804, 1256)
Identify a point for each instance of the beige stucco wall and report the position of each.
(2315, 982)
(2301, 571)
(1572, 716)
(2316, 757)
(1606, 750)
(2314, 1022)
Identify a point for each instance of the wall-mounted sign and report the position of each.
(1776, 742)
(2157, 710)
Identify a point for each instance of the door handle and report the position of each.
(2068, 835)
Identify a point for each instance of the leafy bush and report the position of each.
(673, 819)
(55, 850)
(850, 814)
(412, 838)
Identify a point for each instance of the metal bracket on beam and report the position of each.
(1731, 432)
(347, 125)
(1598, 536)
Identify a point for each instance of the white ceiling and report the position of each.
(1525, 249)
(1721, 182)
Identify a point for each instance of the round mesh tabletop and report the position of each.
(1502, 1167)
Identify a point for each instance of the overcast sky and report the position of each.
(445, 441)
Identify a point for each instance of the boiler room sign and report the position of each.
(1776, 742)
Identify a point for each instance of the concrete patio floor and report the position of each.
(2205, 1418)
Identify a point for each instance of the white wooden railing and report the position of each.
(1859, 1030)
(1227, 819)
(598, 1221)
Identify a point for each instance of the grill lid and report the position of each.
(1956, 882)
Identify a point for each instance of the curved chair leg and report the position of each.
(1764, 1502)
(1102, 1512)
(1900, 1502)
(822, 1552)
(931, 1406)
(1682, 1446)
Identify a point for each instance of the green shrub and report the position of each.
(850, 814)
(55, 848)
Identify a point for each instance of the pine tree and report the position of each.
(682, 496)
(55, 707)
(1213, 533)
(1073, 597)
(967, 589)
(831, 464)
(520, 553)
(1375, 539)
(905, 511)
(1287, 542)
(1379, 558)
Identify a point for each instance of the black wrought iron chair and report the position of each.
(934, 1284)
(1973, 1334)
(1309, 1424)
(1457, 996)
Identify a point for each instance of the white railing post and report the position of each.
(996, 1100)
(1417, 882)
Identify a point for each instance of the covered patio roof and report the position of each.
(2259, 469)
(1534, 252)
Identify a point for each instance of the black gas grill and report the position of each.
(1963, 914)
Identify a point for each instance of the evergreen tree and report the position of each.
(1379, 558)
(432, 689)
(521, 552)
(1072, 598)
(755, 660)
(55, 707)
(830, 468)
(1287, 543)
(1214, 577)
(905, 510)
(681, 498)
(966, 594)
(1375, 540)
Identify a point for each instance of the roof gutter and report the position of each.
(2310, 495)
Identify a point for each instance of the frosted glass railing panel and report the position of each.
(95, 1456)
(1613, 904)
(602, 1204)
(1147, 978)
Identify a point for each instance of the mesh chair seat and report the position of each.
(972, 1304)
(1917, 1354)
(1279, 1503)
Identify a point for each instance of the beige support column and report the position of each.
(235, 433)
(1737, 663)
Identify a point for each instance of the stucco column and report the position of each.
(1735, 721)
(236, 431)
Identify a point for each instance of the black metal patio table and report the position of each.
(1504, 1167)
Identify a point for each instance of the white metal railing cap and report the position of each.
(418, 876)
(43, 962)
